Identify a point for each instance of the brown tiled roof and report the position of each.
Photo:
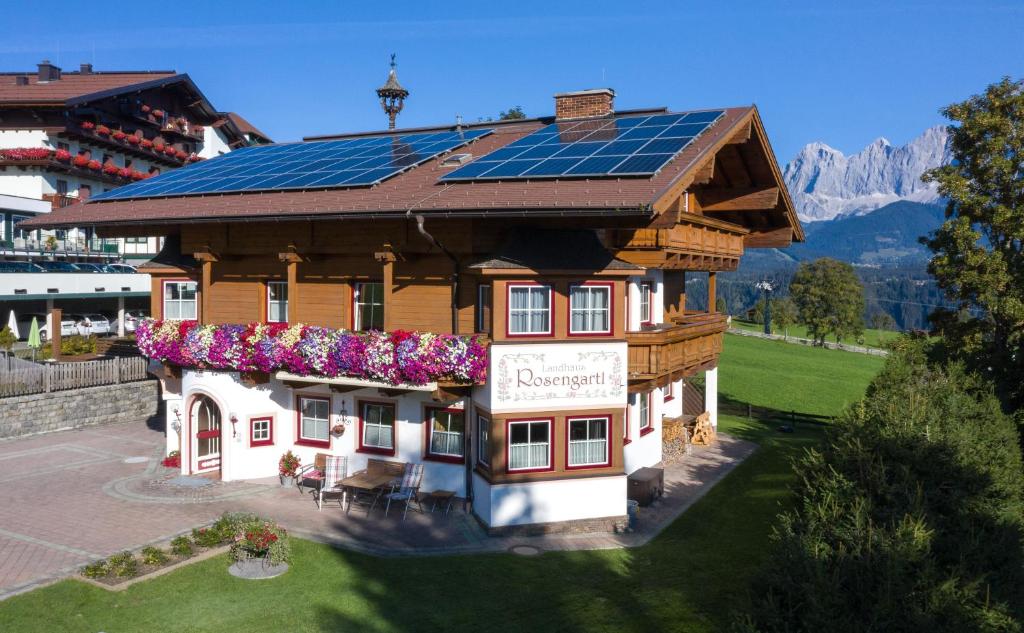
(70, 85)
(417, 189)
(245, 127)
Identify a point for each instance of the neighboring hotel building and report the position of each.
(564, 240)
(67, 135)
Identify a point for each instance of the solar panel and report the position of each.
(627, 146)
(310, 165)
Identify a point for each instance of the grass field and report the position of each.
(690, 578)
(872, 338)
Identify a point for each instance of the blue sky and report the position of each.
(841, 72)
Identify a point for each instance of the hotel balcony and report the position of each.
(694, 243)
(676, 349)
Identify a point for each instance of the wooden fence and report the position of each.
(45, 378)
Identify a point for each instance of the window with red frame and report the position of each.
(446, 434)
(314, 421)
(261, 431)
(377, 427)
(668, 392)
(588, 442)
(529, 445)
(590, 309)
(645, 413)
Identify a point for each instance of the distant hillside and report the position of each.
(883, 237)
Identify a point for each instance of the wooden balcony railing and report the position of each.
(59, 201)
(694, 243)
(678, 349)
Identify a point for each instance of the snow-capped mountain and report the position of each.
(826, 184)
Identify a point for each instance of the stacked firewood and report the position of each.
(703, 432)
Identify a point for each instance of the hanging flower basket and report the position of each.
(338, 430)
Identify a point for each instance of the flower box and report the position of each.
(119, 135)
(132, 139)
(80, 161)
(158, 113)
(63, 155)
(125, 172)
(26, 153)
(180, 155)
(400, 357)
(102, 129)
(87, 125)
(146, 143)
(94, 165)
(110, 169)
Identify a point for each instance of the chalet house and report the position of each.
(549, 257)
(67, 135)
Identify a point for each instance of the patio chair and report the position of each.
(408, 491)
(312, 472)
(335, 471)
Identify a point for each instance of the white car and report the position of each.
(87, 324)
(132, 318)
(67, 325)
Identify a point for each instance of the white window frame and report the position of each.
(644, 411)
(358, 305)
(530, 443)
(180, 283)
(529, 310)
(607, 421)
(326, 420)
(483, 432)
(646, 293)
(448, 433)
(590, 288)
(281, 286)
(365, 423)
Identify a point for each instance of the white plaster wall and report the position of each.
(674, 408)
(22, 138)
(711, 395)
(214, 143)
(241, 461)
(646, 450)
(14, 182)
(655, 277)
(86, 283)
(551, 501)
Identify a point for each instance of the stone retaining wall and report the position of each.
(89, 406)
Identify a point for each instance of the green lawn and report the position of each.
(688, 579)
(872, 338)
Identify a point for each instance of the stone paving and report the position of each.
(71, 497)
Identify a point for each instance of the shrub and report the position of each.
(123, 565)
(7, 338)
(259, 538)
(96, 570)
(909, 519)
(206, 537)
(154, 556)
(181, 546)
(77, 345)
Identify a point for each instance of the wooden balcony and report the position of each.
(694, 243)
(59, 201)
(675, 350)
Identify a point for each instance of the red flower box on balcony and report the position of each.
(148, 144)
(124, 172)
(110, 169)
(102, 129)
(26, 153)
(138, 175)
(180, 155)
(80, 161)
(119, 135)
(63, 155)
(133, 140)
(194, 158)
(158, 113)
(88, 125)
(94, 165)
(145, 108)
(170, 151)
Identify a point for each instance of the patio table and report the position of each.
(366, 483)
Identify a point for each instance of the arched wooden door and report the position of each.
(205, 422)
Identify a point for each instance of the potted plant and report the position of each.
(260, 549)
(173, 460)
(287, 468)
(338, 430)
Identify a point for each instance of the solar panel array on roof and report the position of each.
(312, 165)
(627, 146)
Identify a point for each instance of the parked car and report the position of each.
(58, 267)
(20, 267)
(119, 268)
(86, 267)
(67, 325)
(91, 323)
(132, 318)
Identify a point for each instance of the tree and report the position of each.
(515, 112)
(883, 321)
(910, 517)
(7, 339)
(829, 299)
(784, 314)
(720, 306)
(978, 252)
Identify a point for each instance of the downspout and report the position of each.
(455, 330)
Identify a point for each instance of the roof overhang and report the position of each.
(359, 383)
(201, 102)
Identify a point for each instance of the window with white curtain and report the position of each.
(447, 430)
(369, 306)
(529, 309)
(529, 445)
(645, 411)
(588, 441)
(179, 300)
(378, 426)
(277, 301)
(590, 309)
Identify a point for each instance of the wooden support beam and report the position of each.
(705, 172)
(293, 292)
(55, 332)
(776, 238)
(742, 134)
(740, 199)
(389, 288)
(712, 291)
(734, 167)
(204, 295)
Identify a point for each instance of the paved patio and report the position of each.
(71, 497)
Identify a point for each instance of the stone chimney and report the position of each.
(584, 103)
(85, 69)
(21, 80)
(48, 72)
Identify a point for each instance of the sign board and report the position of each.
(558, 376)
